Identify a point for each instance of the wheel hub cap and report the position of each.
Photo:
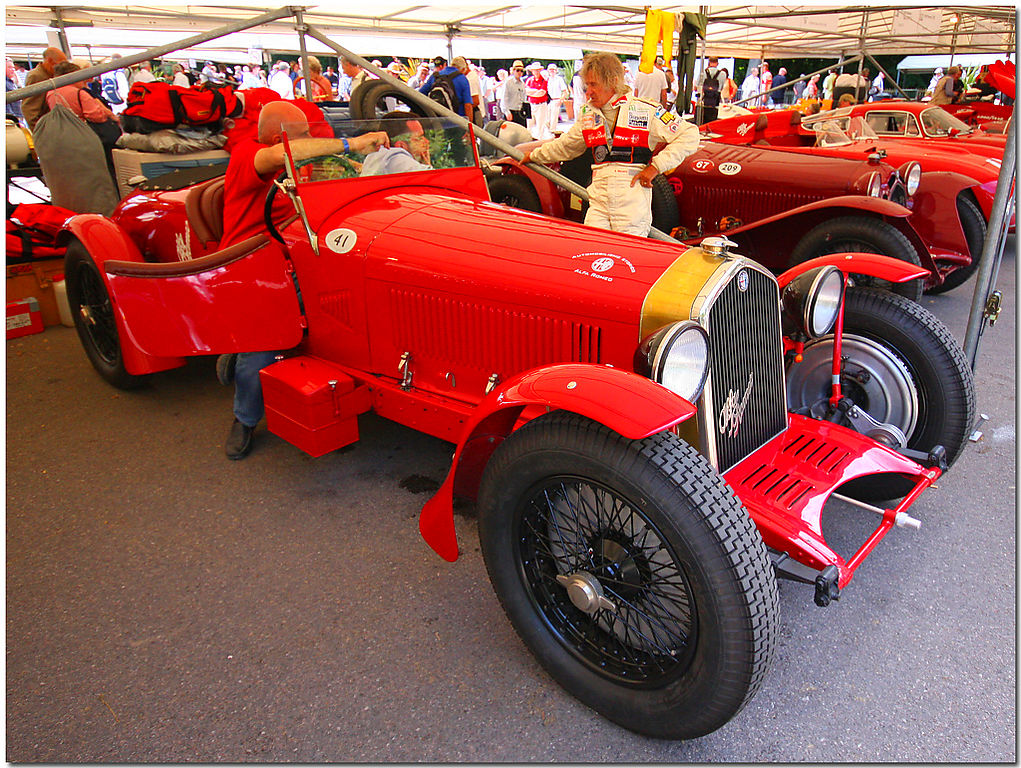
(585, 592)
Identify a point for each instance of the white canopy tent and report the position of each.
(482, 30)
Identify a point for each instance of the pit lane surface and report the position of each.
(165, 604)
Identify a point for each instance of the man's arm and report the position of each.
(567, 147)
(271, 159)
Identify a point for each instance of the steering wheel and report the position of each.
(305, 170)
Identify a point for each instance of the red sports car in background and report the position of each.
(915, 121)
(782, 212)
(651, 431)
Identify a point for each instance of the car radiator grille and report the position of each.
(744, 402)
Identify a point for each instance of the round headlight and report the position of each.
(912, 175)
(676, 356)
(813, 300)
(875, 188)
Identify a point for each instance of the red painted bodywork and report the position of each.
(785, 485)
(777, 202)
(785, 136)
(437, 297)
(909, 113)
(605, 394)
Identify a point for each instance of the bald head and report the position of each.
(279, 116)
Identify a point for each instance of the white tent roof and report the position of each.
(525, 30)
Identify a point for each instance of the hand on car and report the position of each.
(526, 156)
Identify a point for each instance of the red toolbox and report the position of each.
(312, 404)
(23, 318)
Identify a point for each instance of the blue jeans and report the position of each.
(248, 408)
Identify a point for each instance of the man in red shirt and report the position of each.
(253, 165)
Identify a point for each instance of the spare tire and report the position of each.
(368, 102)
(665, 213)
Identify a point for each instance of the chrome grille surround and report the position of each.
(744, 403)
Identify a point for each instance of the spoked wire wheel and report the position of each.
(94, 318)
(631, 571)
(606, 583)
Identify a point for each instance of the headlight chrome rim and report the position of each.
(656, 353)
(874, 188)
(829, 279)
(911, 172)
(820, 290)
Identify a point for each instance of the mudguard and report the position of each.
(548, 192)
(626, 402)
(101, 237)
(105, 241)
(873, 264)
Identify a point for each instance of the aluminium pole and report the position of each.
(150, 53)
(432, 106)
(992, 250)
(301, 28)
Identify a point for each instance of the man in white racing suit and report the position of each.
(623, 131)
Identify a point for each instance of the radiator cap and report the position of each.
(718, 246)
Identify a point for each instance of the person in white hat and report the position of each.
(622, 131)
(557, 89)
(538, 100)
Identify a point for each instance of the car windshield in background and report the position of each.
(416, 144)
(938, 122)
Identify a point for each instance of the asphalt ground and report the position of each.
(165, 604)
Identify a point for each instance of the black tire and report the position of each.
(867, 235)
(665, 214)
(974, 225)
(693, 624)
(368, 100)
(917, 379)
(515, 191)
(94, 319)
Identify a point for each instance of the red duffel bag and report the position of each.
(173, 105)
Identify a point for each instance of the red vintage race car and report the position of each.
(916, 123)
(788, 132)
(650, 431)
(782, 213)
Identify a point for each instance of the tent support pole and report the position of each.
(887, 77)
(992, 249)
(150, 53)
(301, 28)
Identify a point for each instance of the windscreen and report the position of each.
(939, 122)
(413, 144)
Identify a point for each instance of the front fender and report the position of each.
(873, 264)
(626, 402)
(105, 241)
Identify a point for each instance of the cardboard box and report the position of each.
(23, 318)
(312, 404)
(35, 279)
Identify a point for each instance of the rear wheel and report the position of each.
(902, 367)
(631, 572)
(514, 190)
(865, 235)
(94, 318)
(974, 225)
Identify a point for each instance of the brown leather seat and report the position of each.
(204, 208)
